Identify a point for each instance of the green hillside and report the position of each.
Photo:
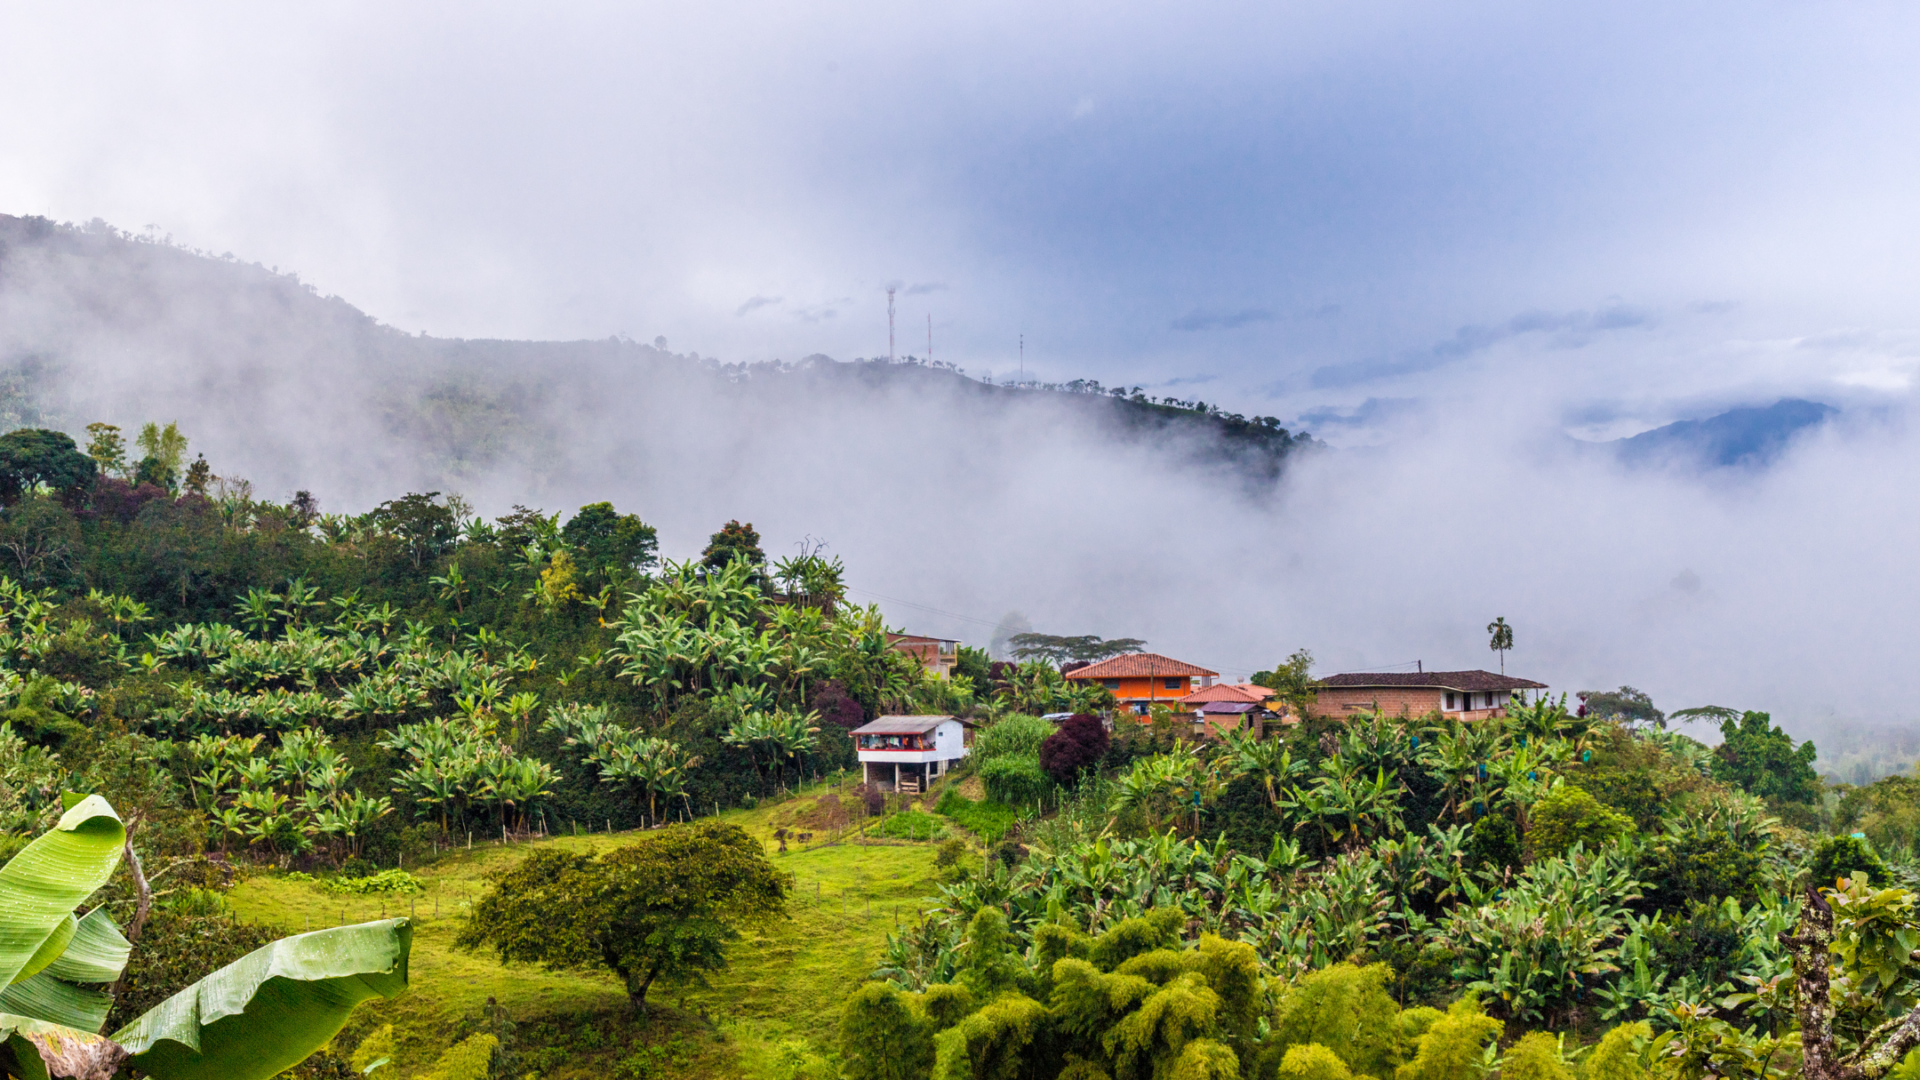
(534, 739)
(777, 1003)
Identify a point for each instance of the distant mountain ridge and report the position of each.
(96, 324)
(1749, 436)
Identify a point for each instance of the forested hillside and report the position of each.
(296, 390)
(311, 718)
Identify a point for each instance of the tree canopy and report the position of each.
(1084, 648)
(611, 542)
(33, 456)
(663, 909)
(1758, 757)
(733, 541)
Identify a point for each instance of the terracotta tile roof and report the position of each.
(1233, 708)
(1138, 665)
(1440, 680)
(1237, 692)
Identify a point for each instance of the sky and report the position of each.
(1443, 237)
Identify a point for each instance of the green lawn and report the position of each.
(770, 1015)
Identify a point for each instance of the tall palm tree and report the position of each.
(1502, 640)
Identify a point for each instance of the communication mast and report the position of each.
(1023, 358)
(889, 324)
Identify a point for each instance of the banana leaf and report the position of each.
(40, 887)
(57, 1001)
(97, 954)
(270, 1009)
(36, 1050)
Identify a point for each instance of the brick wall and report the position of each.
(1394, 701)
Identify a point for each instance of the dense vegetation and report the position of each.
(1555, 892)
(1540, 895)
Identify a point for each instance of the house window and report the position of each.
(1450, 699)
(1111, 684)
(1173, 684)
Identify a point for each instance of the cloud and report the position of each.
(755, 303)
(923, 288)
(1466, 505)
(817, 313)
(1367, 414)
(1189, 380)
(1199, 319)
(1561, 330)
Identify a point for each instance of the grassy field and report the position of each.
(771, 1015)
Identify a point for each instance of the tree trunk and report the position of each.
(1808, 945)
(143, 902)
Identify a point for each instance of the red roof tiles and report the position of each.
(1140, 665)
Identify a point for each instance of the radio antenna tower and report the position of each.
(889, 324)
(1023, 358)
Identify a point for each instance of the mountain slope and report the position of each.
(275, 380)
(1746, 436)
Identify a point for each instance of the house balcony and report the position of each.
(909, 756)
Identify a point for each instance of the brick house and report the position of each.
(1142, 680)
(1229, 706)
(937, 655)
(1461, 695)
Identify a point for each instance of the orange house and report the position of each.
(1142, 680)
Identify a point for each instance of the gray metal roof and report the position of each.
(902, 725)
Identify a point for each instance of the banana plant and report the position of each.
(251, 1020)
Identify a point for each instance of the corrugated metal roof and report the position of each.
(902, 725)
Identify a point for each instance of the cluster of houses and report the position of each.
(906, 753)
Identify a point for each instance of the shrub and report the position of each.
(1569, 815)
(1535, 1057)
(386, 881)
(1495, 843)
(1452, 1048)
(1015, 779)
(1312, 1062)
(989, 819)
(1700, 864)
(951, 853)
(1836, 857)
(1079, 744)
(1014, 736)
(1345, 1011)
(836, 706)
(469, 1059)
(1245, 815)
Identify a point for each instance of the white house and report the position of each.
(906, 752)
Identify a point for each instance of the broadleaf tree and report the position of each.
(663, 910)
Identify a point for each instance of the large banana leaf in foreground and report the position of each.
(95, 953)
(40, 887)
(270, 1009)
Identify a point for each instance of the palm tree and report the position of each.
(1502, 640)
